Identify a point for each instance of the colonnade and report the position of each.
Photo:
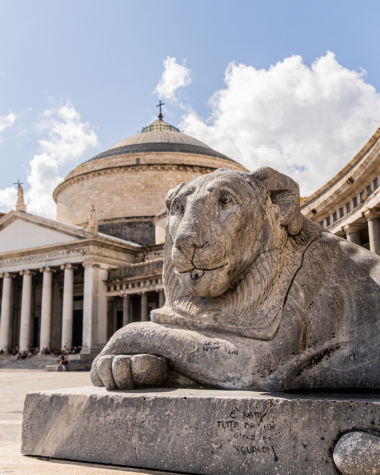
(46, 307)
(144, 306)
(94, 301)
(373, 222)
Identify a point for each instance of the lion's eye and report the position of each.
(177, 206)
(225, 198)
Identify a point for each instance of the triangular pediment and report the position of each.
(19, 231)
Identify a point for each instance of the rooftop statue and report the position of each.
(20, 205)
(20, 194)
(258, 297)
(92, 219)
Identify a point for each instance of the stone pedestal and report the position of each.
(208, 432)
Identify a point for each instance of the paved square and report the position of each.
(14, 385)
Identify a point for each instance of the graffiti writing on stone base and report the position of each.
(246, 429)
(256, 449)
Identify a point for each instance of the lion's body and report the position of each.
(257, 296)
(336, 296)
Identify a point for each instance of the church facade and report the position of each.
(76, 280)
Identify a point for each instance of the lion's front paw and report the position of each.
(127, 372)
(148, 370)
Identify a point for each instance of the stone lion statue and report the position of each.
(258, 297)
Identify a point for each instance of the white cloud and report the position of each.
(6, 122)
(8, 198)
(307, 122)
(66, 139)
(174, 77)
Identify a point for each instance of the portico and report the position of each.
(55, 295)
(133, 292)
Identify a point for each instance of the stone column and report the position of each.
(353, 233)
(114, 317)
(26, 309)
(56, 316)
(6, 306)
(45, 328)
(94, 307)
(144, 307)
(373, 218)
(67, 307)
(32, 316)
(161, 299)
(126, 318)
(110, 304)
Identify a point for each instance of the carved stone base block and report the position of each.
(210, 432)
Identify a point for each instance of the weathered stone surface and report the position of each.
(358, 453)
(176, 380)
(122, 372)
(104, 369)
(149, 370)
(126, 372)
(258, 297)
(210, 432)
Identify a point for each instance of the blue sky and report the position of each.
(104, 59)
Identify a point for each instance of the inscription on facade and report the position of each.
(44, 256)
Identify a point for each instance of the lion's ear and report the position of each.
(284, 193)
(172, 194)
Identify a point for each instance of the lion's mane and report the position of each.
(252, 306)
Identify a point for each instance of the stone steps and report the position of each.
(35, 362)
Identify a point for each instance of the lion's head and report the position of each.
(216, 230)
(226, 238)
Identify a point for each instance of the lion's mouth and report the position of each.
(196, 274)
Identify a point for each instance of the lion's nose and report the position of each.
(187, 243)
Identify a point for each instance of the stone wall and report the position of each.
(139, 231)
(135, 271)
(150, 253)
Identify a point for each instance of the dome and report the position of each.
(160, 132)
(128, 183)
(160, 137)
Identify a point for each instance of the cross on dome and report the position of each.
(160, 116)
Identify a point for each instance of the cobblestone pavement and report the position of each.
(14, 384)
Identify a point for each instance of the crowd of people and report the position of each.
(61, 353)
(75, 350)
